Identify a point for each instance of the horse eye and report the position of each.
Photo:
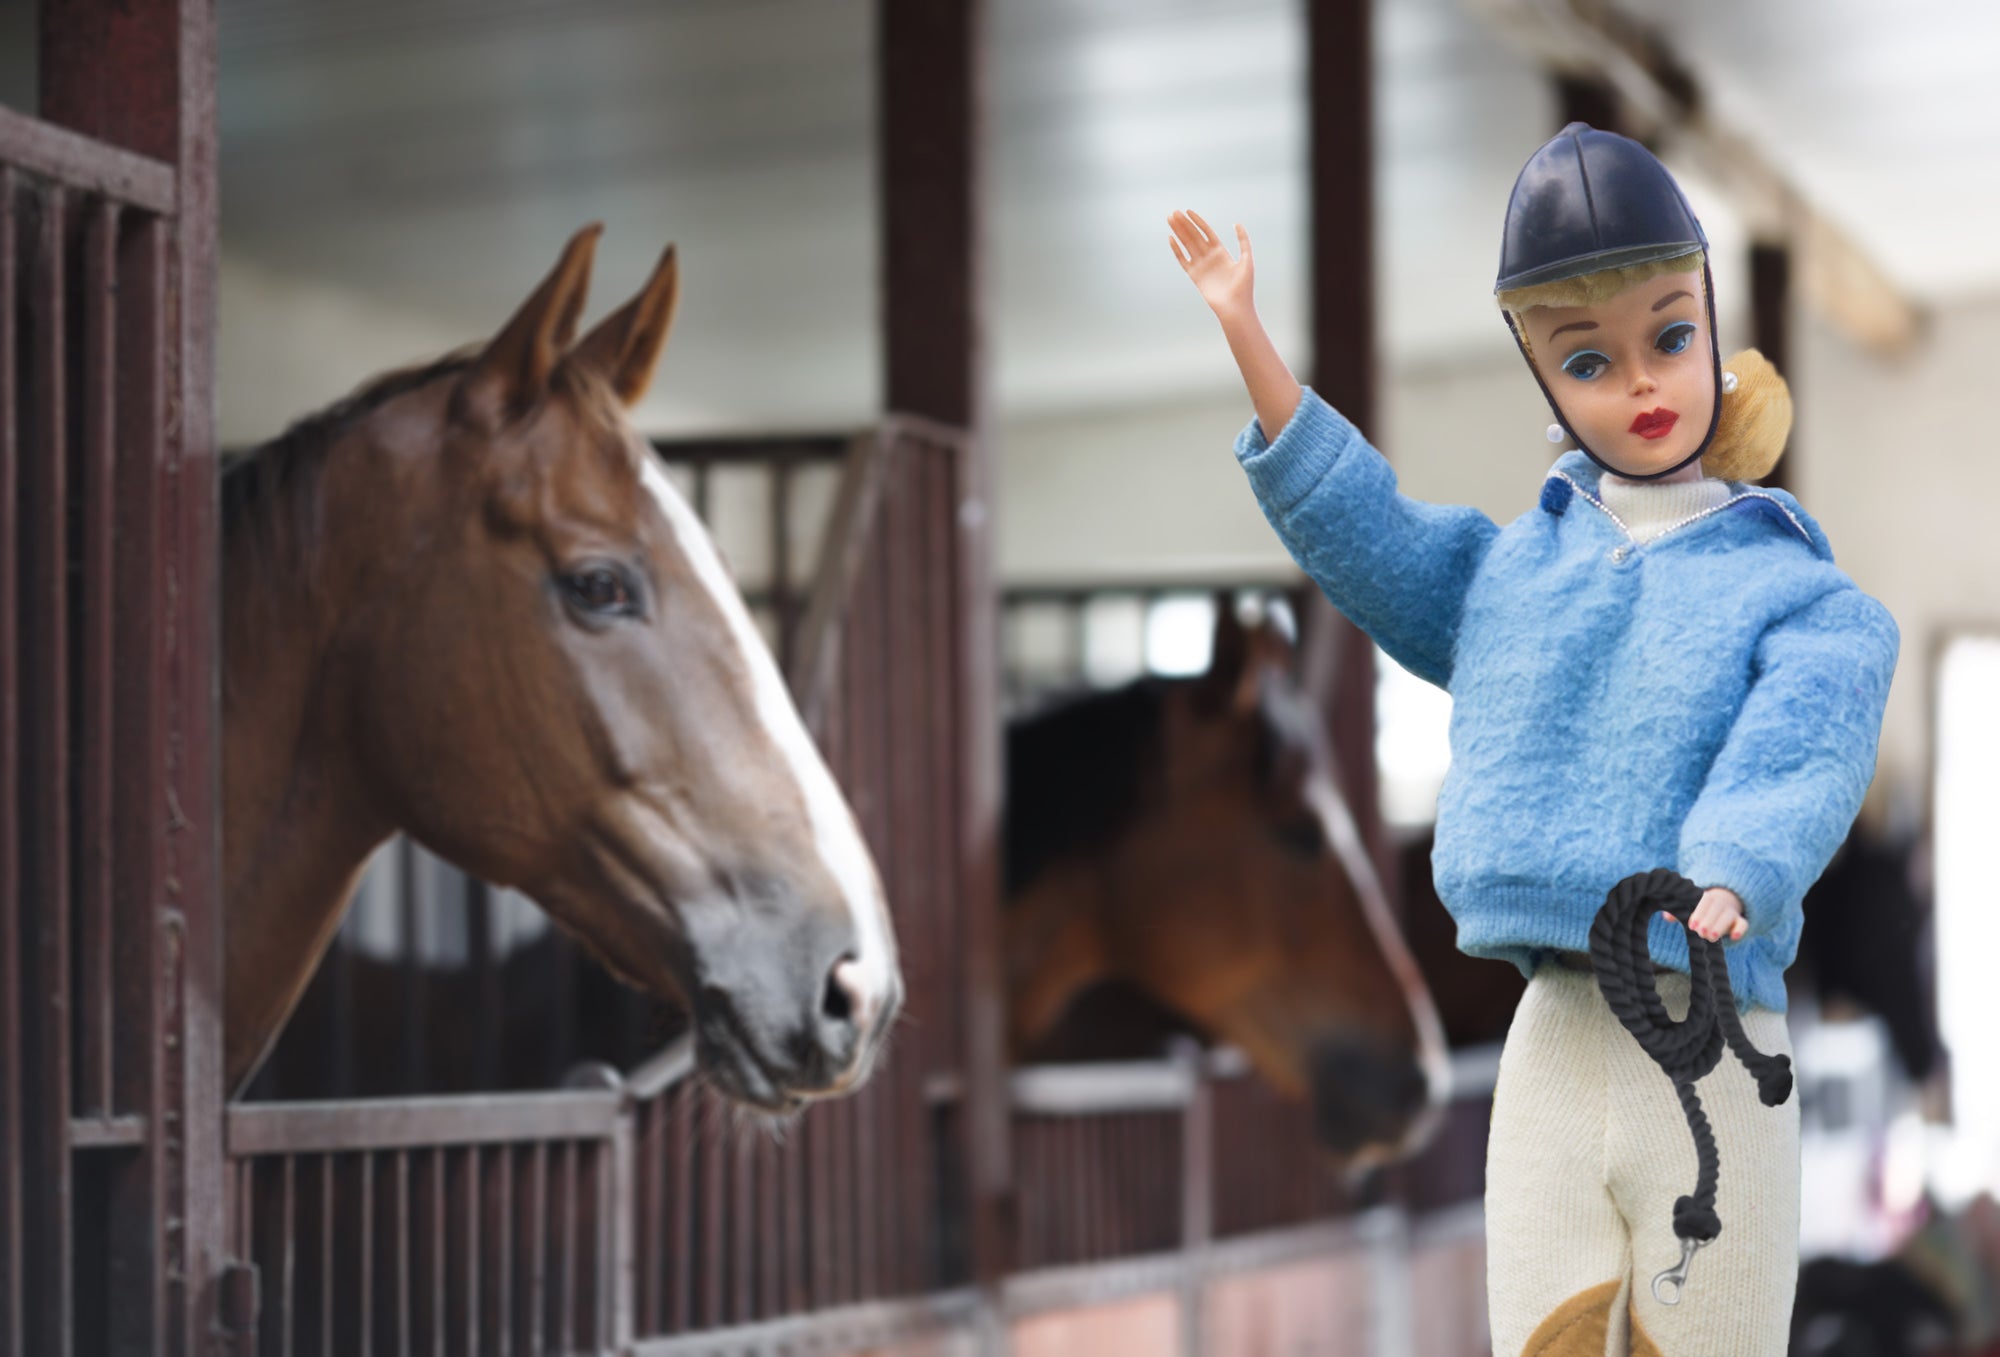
(598, 589)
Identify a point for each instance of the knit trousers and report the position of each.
(1587, 1153)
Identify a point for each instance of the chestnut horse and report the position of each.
(467, 604)
(1184, 836)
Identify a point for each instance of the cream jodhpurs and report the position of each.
(1588, 1151)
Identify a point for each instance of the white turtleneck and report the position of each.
(1649, 508)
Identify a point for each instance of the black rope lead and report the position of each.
(1685, 1050)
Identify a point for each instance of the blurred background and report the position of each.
(395, 175)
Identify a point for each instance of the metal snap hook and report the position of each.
(1676, 1276)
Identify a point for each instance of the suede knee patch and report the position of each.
(1578, 1327)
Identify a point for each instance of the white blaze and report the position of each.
(835, 834)
(1433, 1052)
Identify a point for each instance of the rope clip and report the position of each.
(1676, 1276)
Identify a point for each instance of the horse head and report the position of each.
(519, 645)
(1230, 884)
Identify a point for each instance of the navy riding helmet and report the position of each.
(1591, 200)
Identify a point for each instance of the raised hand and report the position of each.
(1224, 283)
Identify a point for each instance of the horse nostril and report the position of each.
(837, 1003)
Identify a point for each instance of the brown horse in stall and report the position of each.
(466, 603)
(1184, 836)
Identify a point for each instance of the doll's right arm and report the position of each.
(1397, 567)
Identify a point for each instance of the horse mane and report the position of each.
(288, 467)
(1077, 773)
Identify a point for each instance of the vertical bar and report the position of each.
(139, 1262)
(365, 1250)
(96, 1018)
(499, 1215)
(783, 597)
(567, 1279)
(1198, 1159)
(327, 1245)
(44, 811)
(742, 1231)
(618, 1199)
(1771, 331)
(288, 1240)
(12, 1055)
(473, 1244)
(1583, 96)
(242, 1245)
(818, 1146)
(798, 1237)
(440, 1245)
(651, 1167)
(770, 1230)
(535, 1237)
(405, 1263)
(904, 691)
(683, 1311)
(143, 77)
(714, 1219)
(1341, 129)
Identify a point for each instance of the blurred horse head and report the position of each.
(1185, 836)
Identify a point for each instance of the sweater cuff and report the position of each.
(1756, 883)
(1283, 471)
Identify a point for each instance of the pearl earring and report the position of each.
(1728, 382)
(1555, 433)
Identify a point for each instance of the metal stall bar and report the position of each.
(13, 1301)
(46, 771)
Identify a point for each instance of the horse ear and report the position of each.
(1229, 657)
(626, 344)
(513, 372)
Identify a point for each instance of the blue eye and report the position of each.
(1586, 366)
(1675, 338)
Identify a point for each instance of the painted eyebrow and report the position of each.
(1671, 297)
(1577, 325)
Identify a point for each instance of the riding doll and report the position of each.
(1659, 666)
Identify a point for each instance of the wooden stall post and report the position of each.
(1341, 193)
(141, 77)
(1771, 332)
(930, 110)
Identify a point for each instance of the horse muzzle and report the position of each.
(799, 1017)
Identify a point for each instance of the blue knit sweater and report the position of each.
(1708, 701)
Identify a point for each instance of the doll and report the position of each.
(1659, 666)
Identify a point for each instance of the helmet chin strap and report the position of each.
(1715, 407)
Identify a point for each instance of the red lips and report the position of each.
(1654, 423)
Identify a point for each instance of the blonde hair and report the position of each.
(1591, 288)
(1756, 417)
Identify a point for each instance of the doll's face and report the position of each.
(1632, 375)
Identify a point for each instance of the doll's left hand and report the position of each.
(1719, 912)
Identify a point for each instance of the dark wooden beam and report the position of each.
(929, 154)
(140, 75)
(931, 99)
(1586, 98)
(1341, 193)
(1771, 334)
